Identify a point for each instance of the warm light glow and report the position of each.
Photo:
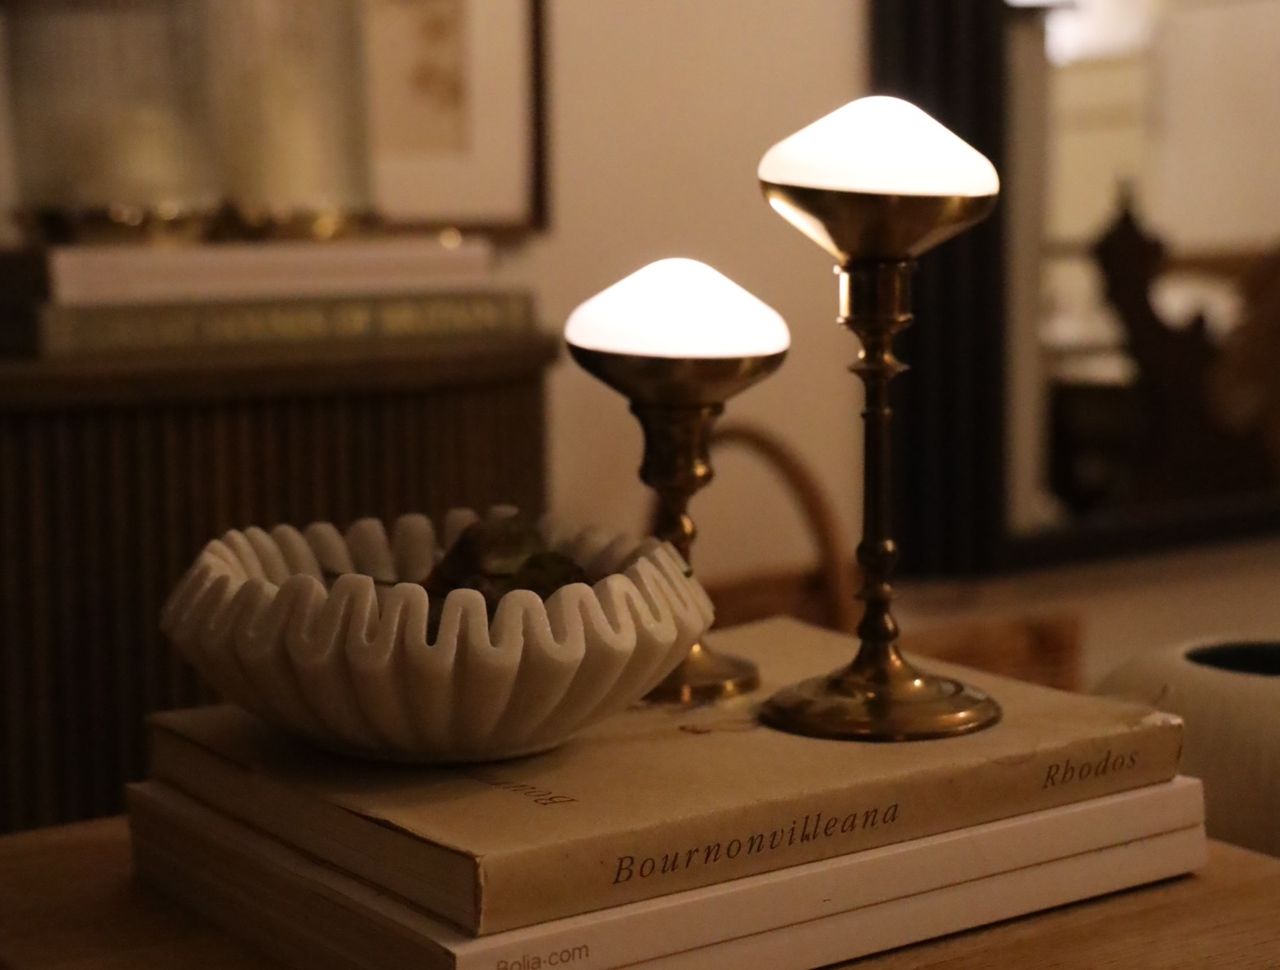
(678, 308)
(881, 146)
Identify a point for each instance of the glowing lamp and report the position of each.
(875, 184)
(678, 339)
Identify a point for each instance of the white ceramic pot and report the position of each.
(349, 664)
(1228, 695)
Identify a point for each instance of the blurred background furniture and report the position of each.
(1025, 458)
(114, 472)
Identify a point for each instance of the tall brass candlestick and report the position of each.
(876, 183)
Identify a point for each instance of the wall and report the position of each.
(659, 113)
(1217, 125)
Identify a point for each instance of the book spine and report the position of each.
(261, 889)
(72, 330)
(769, 835)
(502, 892)
(86, 275)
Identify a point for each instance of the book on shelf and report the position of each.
(54, 330)
(310, 914)
(111, 275)
(658, 800)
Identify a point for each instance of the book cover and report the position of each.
(805, 916)
(658, 800)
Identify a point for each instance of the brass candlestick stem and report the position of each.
(677, 464)
(677, 401)
(880, 696)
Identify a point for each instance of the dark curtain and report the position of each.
(947, 56)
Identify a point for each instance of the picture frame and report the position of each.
(454, 105)
(274, 119)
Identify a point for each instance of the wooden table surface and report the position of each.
(67, 901)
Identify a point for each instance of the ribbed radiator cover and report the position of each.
(102, 508)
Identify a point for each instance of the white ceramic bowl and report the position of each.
(349, 666)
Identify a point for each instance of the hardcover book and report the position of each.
(52, 330)
(113, 275)
(312, 916)
(659, 800)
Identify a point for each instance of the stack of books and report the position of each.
(95, 299)
(663, 837)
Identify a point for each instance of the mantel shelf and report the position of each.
(274, 371)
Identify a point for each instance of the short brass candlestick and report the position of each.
(678, 338)
(676, 401)
(876, 184)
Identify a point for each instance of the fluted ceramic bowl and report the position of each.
(325, 635)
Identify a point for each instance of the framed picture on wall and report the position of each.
(453, 111)
(263, 119)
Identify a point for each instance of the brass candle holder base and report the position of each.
(705, 677)
(849, 706)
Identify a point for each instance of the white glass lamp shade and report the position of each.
(678, 308)
(880, 146)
